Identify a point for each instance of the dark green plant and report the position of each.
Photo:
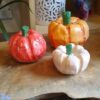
(2, 27)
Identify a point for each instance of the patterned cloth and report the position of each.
(79, 8)
(48, 10)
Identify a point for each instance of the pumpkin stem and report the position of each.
(66, 17)
(69, 49)
(25, 30)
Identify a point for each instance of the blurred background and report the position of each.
(16, 15)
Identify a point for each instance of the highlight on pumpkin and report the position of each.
(66, 17)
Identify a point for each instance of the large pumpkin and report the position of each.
(68, 29)
(27, 45)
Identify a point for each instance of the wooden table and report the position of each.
(22, 81)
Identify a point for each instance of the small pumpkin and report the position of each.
(27, 45)
(71, 59)
(68, 29)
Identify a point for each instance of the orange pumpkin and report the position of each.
(68, 29)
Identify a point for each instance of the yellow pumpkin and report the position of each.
(75, 30)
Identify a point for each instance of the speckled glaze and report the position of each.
(27, 48)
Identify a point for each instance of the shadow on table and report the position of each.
(57, 96)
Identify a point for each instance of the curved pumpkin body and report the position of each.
(27, 48)
(73, 63)
(76, 32)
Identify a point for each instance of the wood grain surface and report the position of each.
(22, 81)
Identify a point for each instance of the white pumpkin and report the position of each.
(71, 59)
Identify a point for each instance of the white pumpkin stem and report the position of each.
(69, 49)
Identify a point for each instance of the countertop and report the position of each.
(22, 81)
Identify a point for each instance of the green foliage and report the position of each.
(3, 30)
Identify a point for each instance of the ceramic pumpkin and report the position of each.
(27, 45)
(68, 29)
(71, 59)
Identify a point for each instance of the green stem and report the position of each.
(66, 17)
(25, 30)
(3, 30)
(69, 49)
